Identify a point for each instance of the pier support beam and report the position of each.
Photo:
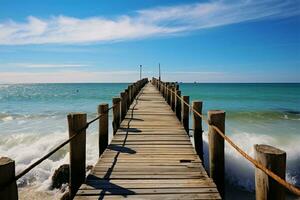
(123, 105)
(173, 96)
(77, 121)
(116, 114)
(7, 174)
(198, 141)
(185, 113)
(275, 160)
(216, 149)
(103, 127)
(178, 105)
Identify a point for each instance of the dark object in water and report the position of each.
(60, 176)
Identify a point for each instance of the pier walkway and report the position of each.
(150, 157)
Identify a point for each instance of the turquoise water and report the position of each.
(33, 120)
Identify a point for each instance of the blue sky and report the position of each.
(106, 41)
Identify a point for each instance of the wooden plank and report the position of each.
(150, 157)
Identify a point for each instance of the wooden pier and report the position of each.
(150, 157)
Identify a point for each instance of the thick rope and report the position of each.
(30, 167)
(277, 178)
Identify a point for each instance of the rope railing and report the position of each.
(33, 165)
(292, 188)
(77, 139)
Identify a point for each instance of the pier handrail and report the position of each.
(8, 185)
(36, 163)
(292, 188)
(30, 167)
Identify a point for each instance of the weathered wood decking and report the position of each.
(150, 157)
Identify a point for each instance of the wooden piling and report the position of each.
(166, 91)
(169, 94)
(197, 126)
(103, 127)
(178, 105)
(76, 122)
(123, 105)
(216, 149)
(173, 98)
(185, 113)
(116, 114)
(129, 95)
(9, 191)
(127, 99)
(275, 160)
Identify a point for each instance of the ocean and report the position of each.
(33, 121)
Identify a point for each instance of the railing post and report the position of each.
(116, 114)
(123, 105)
(76, 122)
(7, 174)
(178, 105)
(185, 113)
(169, 94)
(173, 98)
(129, 95)
(177, 86)
(127, 99)
(216, 149)
(133, 91)
(275, 160)
(103, 127)
(163, 89)
(198, 141)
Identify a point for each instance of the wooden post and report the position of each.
(77, 121)
(178, 105)
(7, 174)
(116, 114)
(169, 94)
(185, 113)
(103, 127)
(173, 98)
(129, 95)
(198, 141)
(134, 91)
(166, 92)
(216, 149)
(127, 99)
(163, 89)
(275, 160)
(123, 105)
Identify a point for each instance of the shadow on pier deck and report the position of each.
(150, 157)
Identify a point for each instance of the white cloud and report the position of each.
(157, 21)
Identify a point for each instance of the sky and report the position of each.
(106, 40)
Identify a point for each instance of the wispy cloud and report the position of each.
(159, 21)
